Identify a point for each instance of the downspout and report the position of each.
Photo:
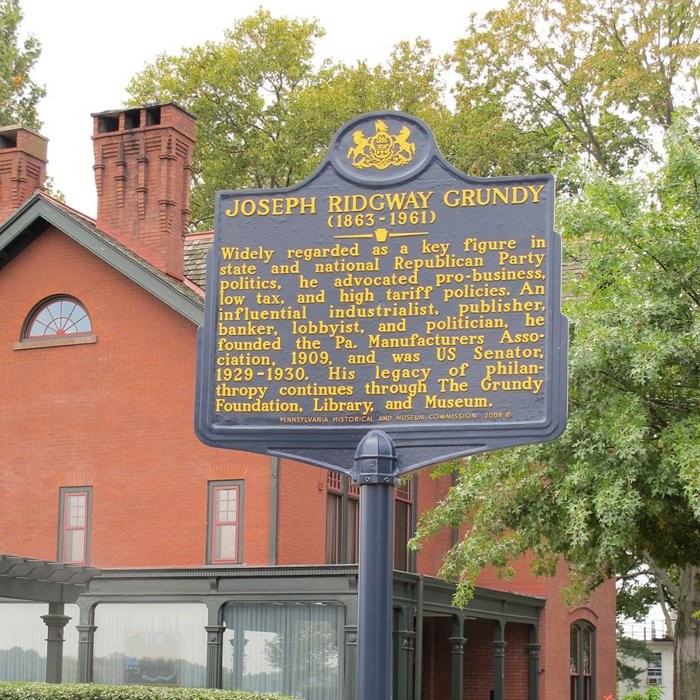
(274, 509)
(418, 677)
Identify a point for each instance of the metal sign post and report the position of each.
(375, 461)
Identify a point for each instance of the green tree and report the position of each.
(265, 112)
(649, 694)
(243, 92)
(19, 94)
(411, 80)
(620, 490)
(542, 82)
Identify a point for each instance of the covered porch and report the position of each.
(486, 651)
(273, 629)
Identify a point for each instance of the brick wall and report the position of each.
(116, 415)
(429, 557)
(148, 471)
(557, 616)
(437, 659)
(302, 514)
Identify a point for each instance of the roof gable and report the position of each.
(40, 212)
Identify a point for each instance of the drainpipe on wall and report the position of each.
(274, 507)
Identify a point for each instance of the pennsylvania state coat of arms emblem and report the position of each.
(382, 150)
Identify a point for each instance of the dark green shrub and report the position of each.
(92, 691)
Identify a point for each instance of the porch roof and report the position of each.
(44, 581)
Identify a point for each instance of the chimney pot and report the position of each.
(22, 167)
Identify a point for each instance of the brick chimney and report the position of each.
(143, 162)
(22, 167)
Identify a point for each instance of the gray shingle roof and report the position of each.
(196, 247)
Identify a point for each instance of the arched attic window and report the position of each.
(57, 320)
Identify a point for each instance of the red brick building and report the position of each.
(165, 561)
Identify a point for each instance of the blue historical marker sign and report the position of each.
(388, 291)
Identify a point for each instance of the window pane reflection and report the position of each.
(291, 649)
(573, 648)
(23, 642)
(151, 644)
(586, 650)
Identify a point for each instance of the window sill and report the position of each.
(54, 341)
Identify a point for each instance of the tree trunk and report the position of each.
(686, 671)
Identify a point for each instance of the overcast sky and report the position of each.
(90, 51)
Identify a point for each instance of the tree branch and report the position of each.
(661, 576)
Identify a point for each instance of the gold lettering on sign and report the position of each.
(386, 318)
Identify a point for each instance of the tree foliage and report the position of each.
(650, 693)
(19, 94)
(620, 490)
(574, 87)
(266, 112)
(243, 92)
(542, 82)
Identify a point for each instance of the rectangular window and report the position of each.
(23, 643)
(334, 517)
(654, 675)
(403, 526)
(333, 527)
(342, 520)
(225, 504)
(74, 525)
